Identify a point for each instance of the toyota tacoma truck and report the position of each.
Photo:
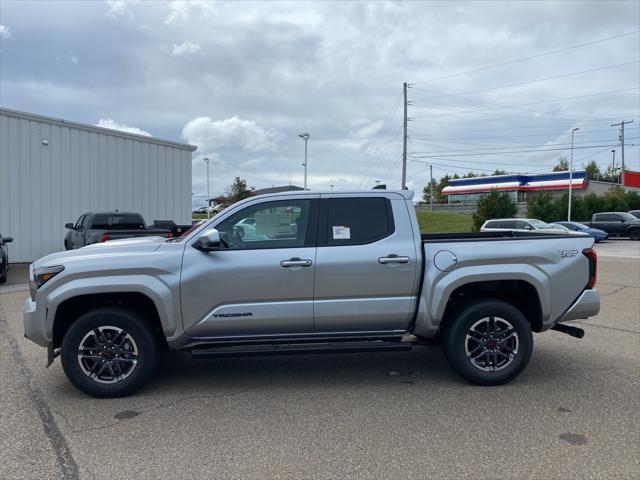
(320, 273)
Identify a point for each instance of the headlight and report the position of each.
(41, 276)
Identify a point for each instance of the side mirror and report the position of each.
(69, 226)
(7, 239)
(208, 240)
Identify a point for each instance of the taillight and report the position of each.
(104, 237)
(590, 253)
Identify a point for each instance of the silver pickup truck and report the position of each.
(307, 272)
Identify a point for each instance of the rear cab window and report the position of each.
(355, 220)
(116, 221)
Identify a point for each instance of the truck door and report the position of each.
(260, 282)
(609, 222)
(366, 264)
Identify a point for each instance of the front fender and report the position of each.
(157, 291)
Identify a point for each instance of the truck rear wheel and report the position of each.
(488, 342)
(634, 234)
(109, 352)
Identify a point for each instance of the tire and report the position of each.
(491, 365)
(106, 369)
(66, 245)
(634, 234)
(3, 273)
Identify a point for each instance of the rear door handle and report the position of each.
(393, 258)
(296, 262)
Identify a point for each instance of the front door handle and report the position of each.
(296, 262)
(393, 258)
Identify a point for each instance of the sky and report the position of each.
(492, 85)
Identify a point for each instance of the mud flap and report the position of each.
(52, 353)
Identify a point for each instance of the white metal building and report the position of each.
(52, 171)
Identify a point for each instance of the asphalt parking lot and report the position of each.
(572, 414)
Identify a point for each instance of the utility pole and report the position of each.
(431, 187)
(206, 160)
(305, 137)
(621, 125)
(571, 174)
(404, 139)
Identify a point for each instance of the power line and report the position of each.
(615, 65)
(522, 59)
(506, 153)
(511, 136)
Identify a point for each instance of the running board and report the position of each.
(299, 348)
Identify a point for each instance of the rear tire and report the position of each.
(634, 234)
(109, 352)
(488, 342)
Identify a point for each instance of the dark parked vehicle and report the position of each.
(101, 227)
(635, 213)
(4, 257)
(596, 233)
(616, 224)
(175, 229)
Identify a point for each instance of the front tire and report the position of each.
(109, 352)
(488, 342)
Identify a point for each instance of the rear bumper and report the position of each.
(587, 305)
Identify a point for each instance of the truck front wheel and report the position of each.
(487, 342)
(109, 352)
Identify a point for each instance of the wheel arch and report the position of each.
(70, 309)
(519, 293)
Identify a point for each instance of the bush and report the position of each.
(494, 205)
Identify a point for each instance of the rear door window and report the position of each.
(357, 221)
(491, 225)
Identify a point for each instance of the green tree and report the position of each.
(633, 200)
(494, 205)
(562, 165)
(426, 191)
(542, 206)
(593, 170)
(237, 190)
(499, 172)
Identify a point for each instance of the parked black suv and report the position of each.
(4, 257)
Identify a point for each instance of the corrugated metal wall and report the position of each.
(42, 187)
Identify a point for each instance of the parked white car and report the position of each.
(519, 225)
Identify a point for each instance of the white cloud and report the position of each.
(5, 34)
(185, 48)
(117, 8)
(108, 123)
(210, 135)
(74, 58)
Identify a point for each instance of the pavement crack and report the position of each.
(63, 454)
(617, 290)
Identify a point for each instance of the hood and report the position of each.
(127, 246)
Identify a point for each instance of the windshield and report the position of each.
(539, 224)
(627, 216)
(560, 227)
(579, 226)
(117, 221)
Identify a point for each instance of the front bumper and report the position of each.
(34, 324)
(587, 305)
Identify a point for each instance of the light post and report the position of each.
(206, 160)
(305, 137)
(571, 174)
(613, 166)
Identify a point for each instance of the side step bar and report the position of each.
(299, 348)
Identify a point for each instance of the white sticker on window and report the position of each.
(341, 233)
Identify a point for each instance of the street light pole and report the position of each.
(206, 160)
(613, 166)
(571, 174)
(305, 137)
